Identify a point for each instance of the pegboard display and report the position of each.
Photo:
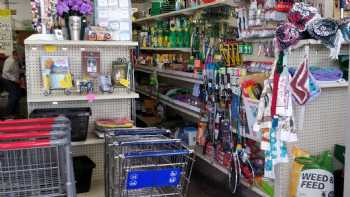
(118, 104)
(324, 125)
(73, 52)
(318, 56)
(324, 122)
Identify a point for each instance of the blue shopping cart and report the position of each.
(144, 162)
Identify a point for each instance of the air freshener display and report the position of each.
(85, 87)
(90, 63)
(105, 84)
(119, 71)
(56, 74)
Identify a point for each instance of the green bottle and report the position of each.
(172, 34)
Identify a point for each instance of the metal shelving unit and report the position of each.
(212, 162)
(78, 97)
(187, 11)
(174, 104)
(185, 50)
(173, 74)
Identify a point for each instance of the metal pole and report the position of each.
(347, 145)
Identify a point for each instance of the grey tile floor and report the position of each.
(206, 181)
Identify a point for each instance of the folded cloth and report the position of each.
(326, 73)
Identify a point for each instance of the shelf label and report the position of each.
(90, 97)
(50, 48)
(5, 12)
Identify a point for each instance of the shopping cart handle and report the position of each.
(133, 155)
(35, 134)
(139, 131)
(32, 144)
(60, 119)
(143, 142)
(24, 144)
(38, 127)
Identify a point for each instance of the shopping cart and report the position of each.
(35, 158)
(144, 162)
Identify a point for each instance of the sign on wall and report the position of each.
(6, 41)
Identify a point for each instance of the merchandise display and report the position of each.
(127, 97)
(248, 91)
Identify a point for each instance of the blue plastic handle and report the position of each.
(133, 155)
(153, 131)
(144, 142)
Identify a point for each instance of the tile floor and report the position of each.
(206, 181)
(200, 187)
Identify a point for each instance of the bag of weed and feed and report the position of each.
(311, 176)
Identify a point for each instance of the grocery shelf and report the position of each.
(78, 97)
(253, 58)
(174, 104)
(90, 140)
(181, 106)
(150, 121)
(212, 162)
(139, 90)
(145, 69)
(174, 74)
(37, 39)
(333, 84)
(187, 11)
(186, 50)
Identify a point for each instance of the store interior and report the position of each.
(190, 98)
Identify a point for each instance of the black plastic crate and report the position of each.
(83, 168)
(79, 118)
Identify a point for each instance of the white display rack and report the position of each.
(187, 11)
(103, 106)
(332, 84)
(173, 74)
(90, 140)
(174, 104)
(78, 97)
(212, 162)
(36, 40)
(185, 50)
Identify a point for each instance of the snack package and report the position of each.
(311, 176)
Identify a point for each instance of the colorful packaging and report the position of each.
(311, 176)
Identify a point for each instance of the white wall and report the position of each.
(23, 17)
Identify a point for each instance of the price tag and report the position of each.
(5, 12)
(90, 97)
(50, 48)
(124, 82)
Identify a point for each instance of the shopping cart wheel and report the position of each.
(67, 92)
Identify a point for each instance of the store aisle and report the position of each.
(201, 186)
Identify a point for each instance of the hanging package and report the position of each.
(324, 29)
(286, 35)
(301, 14)
(311, 175)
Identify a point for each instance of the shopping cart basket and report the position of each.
(35, 158)
(146, 164)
